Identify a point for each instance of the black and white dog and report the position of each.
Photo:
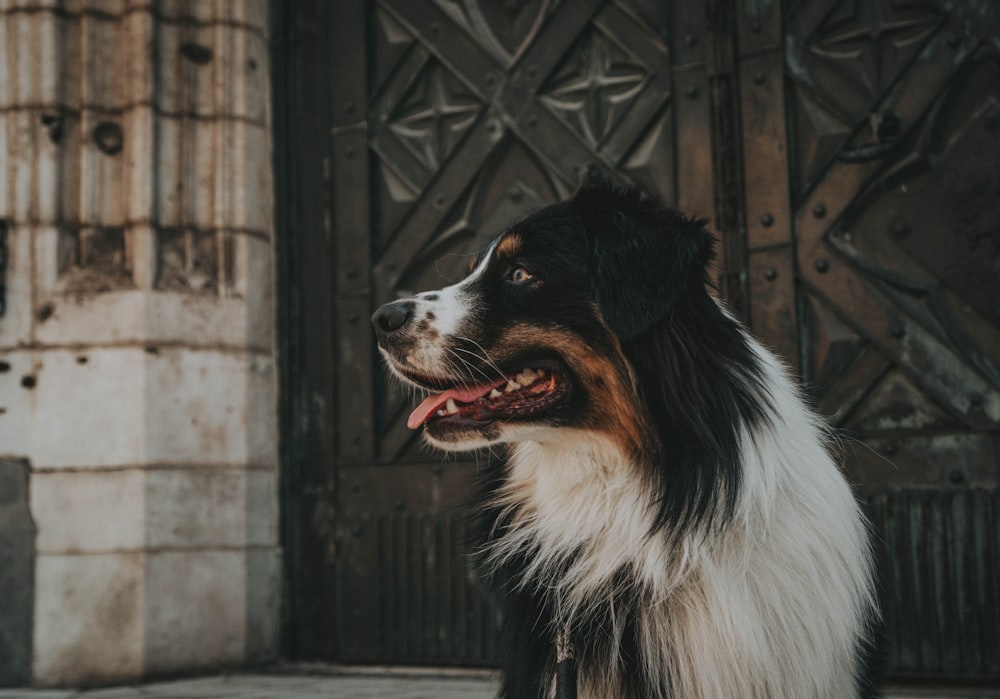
(667, 502)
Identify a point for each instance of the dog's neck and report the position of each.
(559, 475)
(577, 502)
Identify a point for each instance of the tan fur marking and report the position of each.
(608, 380)
(510, 246)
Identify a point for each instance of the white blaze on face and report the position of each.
(449, 307)
(445, 311)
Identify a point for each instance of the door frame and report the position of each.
(301, 115)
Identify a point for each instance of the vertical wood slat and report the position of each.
(921, 545)
(690, 102)
(770, 266)
(350, 230)
(308, 374)
(429, 612)
(937, 555)
(987, 552)
(458, 594)
(879, 514)
(950, 573)
(729, 187)
(908, 597)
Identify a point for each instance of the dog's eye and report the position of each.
(519, 275)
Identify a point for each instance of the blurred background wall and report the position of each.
(138, 428)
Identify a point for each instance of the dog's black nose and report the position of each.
(391, 317)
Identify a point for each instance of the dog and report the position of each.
(667, 512)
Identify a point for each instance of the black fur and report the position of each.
(650, 264)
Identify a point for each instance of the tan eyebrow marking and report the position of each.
(509, 246)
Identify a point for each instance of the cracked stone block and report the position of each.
(187, 260)
(93, 260)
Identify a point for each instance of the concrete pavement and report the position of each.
(358, 684)
(366, 685)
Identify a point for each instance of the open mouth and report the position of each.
(525, 394)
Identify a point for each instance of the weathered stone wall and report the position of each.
(137, 373)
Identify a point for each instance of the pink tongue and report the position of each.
(431, 403)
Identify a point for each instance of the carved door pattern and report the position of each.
(846, 153)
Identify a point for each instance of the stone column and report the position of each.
(137, 343)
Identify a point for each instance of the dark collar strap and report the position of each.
(565, 665)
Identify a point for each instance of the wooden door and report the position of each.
(893, 143)
(846, 154)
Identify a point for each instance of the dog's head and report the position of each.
(539, 335)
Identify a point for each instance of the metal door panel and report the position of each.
(890, 106)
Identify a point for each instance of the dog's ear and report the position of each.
(642, 256)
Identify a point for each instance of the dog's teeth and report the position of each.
(541, 372)
(526, 377)
(450, 406)
(495, 394)
(512, 386)
(441, 412)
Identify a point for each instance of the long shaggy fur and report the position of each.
(678, 511)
